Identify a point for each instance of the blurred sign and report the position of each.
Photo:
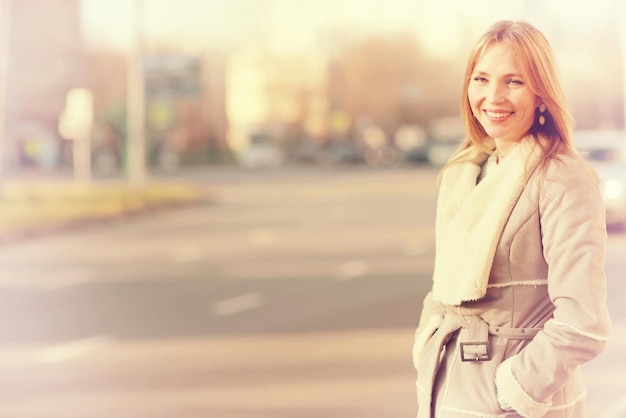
(75, 123)
(172, 75)
(76, 119)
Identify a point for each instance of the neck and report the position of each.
(504, 147)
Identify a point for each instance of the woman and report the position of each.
(519, 292)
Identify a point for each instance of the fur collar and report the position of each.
(470, 220)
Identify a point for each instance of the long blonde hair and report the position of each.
(534, 55)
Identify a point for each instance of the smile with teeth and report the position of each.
(497, 115)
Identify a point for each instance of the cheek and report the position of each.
(472, 97)
(530, 111)
(473, 102)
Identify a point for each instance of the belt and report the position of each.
(515, 333)
(474, 347)
(474, 337)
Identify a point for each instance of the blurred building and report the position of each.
(45, 61)
(185, 108)
(185, 94)
(284, 97)
(185, 97)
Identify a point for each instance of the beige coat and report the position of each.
(520, 267)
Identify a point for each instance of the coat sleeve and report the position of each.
(572, 219)
(430, 320)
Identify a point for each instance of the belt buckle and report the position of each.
(475, 356)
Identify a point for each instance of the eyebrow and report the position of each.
(504, 76)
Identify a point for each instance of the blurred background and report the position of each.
(273, 82)
(225, 208)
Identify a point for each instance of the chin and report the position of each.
(497, 133)
(502, 133)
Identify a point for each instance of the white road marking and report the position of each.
(67, 278)
(416, 247)
(261, 236)
(238, 304)
(71, 349)
(42, 280)
(351, 270)
(186, 254)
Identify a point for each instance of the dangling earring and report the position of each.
(542, 119)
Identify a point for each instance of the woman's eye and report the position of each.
(516, 82)
(480, 79)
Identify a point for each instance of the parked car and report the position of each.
(261, 153)
(446, 135)
(606, 151)
(341, 152)
(433, 145)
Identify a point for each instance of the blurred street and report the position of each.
(294, 294)
(225, 209)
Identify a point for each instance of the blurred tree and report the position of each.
(391, 81)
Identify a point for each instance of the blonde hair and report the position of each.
(534, 55)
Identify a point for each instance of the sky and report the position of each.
(584, 34)
(442, 25)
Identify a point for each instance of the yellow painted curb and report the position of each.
(29, 205)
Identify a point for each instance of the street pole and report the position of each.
(135, 100)
(621, 19)
(6, 7)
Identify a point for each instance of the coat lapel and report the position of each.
(470, 220)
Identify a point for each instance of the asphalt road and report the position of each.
(295, 294)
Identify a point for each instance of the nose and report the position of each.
(495, 93)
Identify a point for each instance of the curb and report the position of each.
(35, 212)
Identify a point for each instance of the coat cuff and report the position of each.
(512, 397)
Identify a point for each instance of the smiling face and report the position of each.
(499, 96)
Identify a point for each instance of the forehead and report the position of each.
(498, 57)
